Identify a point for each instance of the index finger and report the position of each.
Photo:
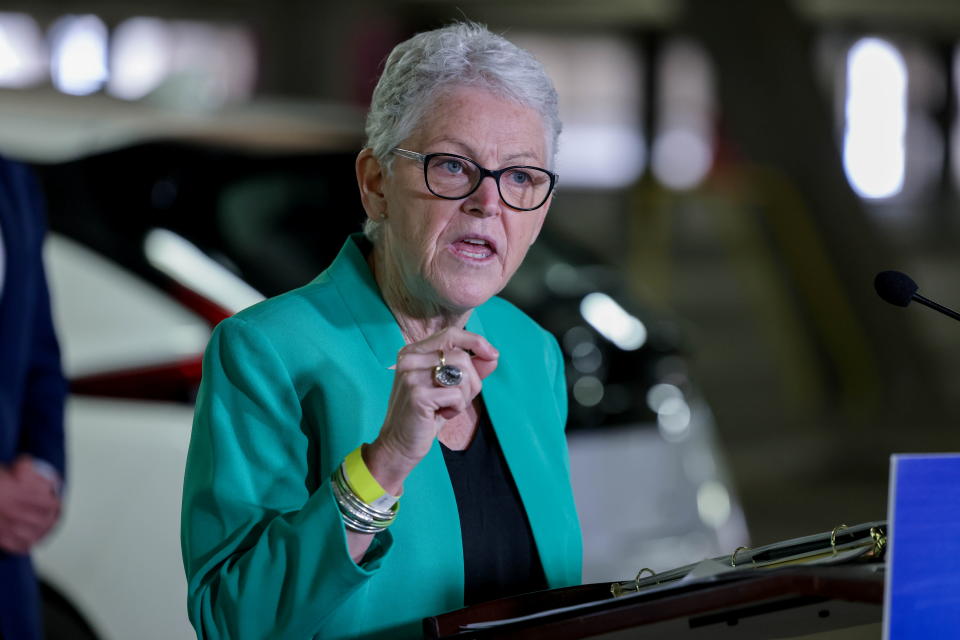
(453, 338)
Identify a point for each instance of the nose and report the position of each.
(485, 201)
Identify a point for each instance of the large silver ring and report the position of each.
(446, 375)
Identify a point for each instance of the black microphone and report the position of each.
(899, 289)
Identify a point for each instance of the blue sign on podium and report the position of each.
(922, 595)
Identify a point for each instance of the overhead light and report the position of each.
(22, 54)
(140, 58)
(187, 63)
(78, 54)
(874, 148)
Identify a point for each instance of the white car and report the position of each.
(113, 562)
(649, 480)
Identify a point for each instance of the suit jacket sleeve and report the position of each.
(44, 385)
(264, 555)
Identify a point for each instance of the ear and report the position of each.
(370, 176)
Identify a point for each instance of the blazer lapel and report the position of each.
(517, 434)
(361, 296)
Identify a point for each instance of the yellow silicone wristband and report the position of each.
(361, 481)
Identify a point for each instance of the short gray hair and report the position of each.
(457, 55)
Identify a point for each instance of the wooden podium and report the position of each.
(806, 602)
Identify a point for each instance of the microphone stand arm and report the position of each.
(937, 307)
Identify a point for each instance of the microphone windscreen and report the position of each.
(895, 287)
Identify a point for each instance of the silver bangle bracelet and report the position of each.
(349, 510)
(353, 519)
(350, 504)
(355, 525)
(356, 521)
(349, 498)
(341, 480)
(357, 515)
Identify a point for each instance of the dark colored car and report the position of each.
(198, 231)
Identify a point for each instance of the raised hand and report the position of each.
(419, 406)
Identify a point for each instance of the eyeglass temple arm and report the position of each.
(413, 155)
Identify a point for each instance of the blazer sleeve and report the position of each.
(41, 433)
(263, 556)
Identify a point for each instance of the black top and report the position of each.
(499, 555)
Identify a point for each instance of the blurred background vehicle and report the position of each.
(111, 568)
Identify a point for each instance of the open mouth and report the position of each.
(474, 248)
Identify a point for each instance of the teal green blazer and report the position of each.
(290, 387)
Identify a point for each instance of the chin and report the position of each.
(470, 297)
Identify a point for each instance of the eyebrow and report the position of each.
(468, 151)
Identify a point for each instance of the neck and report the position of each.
(418, 318)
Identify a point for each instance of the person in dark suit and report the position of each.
(32, 392)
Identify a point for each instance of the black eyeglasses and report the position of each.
(454, 177)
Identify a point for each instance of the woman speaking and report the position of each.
(387, 442)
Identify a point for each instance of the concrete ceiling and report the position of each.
(937, 16)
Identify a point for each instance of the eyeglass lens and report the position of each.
(520, 187)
